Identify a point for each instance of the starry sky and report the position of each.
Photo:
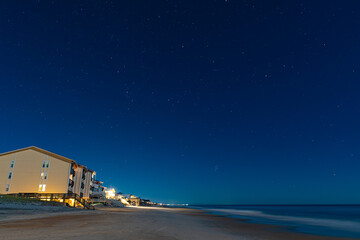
(200, 102)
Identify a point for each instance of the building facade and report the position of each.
(97, 191)
(80, 181)
(35, 170)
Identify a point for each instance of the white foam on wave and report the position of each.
(330, 223)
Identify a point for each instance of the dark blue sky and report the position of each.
(190, 101)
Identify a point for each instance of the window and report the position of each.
(44, 176)
(42, 187)
(10, 174)
(12, 164)
(46, 164)
(7, 187)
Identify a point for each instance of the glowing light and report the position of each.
(71, 201)
(110, 193)
(123, 201)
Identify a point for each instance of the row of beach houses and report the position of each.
(38, 173)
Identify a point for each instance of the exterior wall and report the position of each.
(87, 184)
(77, 180)
(82, 181)
(5, 162)
(71, 185)
(26, 173)
(134, 201)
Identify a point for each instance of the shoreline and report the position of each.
(144, 223)
(260, 230)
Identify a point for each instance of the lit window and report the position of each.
(44, 176)
(7, 187)
(12, 164)
(42, 187)
(10, 174)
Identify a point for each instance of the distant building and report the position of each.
(135, 201)
(97, 191)
(132, 199)
(122, 198)
(146, 202)
(33, 170)
(82, 178)
(110, 193)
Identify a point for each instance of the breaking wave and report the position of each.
(344, 225)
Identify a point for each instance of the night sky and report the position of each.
(217, 102)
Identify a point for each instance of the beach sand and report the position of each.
(140, 223)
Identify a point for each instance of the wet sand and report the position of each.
(142, 223)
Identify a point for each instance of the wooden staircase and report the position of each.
(84, 203)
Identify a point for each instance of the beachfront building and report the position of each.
(110, 193)
(81, 180)
(134, 200)
(131, 199)
(36, 171)
(97, 191)
(122, 198)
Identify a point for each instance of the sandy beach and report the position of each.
(138, 223)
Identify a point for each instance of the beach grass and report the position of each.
(13, 199)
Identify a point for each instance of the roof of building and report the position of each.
(65, 159)
(86, 168)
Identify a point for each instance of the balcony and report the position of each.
(71, 183)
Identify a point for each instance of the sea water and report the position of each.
(327, 220)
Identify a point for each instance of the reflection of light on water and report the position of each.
(337, 224)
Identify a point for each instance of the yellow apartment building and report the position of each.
(35, 170)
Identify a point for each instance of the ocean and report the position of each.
(326, 220)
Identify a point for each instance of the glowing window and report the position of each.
(42, 187)
(44, 176)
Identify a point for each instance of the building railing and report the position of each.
(71, 183)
